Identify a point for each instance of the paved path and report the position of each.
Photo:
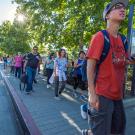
(52, 116)
(8, 125)
(59, 117)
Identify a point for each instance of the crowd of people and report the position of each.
(57, 66)
(101, 70)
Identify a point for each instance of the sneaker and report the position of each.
(82, 97)
(75, 95)
(83, 113)
(85, 132)
(28, 93)
(57, 98)
(35, 81)
(48, 86)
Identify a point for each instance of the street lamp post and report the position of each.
(131, 35)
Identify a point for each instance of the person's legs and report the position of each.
(118, 118)
(29, 80)
(75, 85)
(56, 86)
(76, 82)
(62, 86)
(81, 82)
(34, 72)
(11, 69)
(49, 74)
(16, 71)
(19, 72)
(100, 120)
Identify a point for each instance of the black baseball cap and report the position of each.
(111, 4)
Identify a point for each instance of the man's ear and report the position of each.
(107, 17)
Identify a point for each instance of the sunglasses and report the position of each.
(118, 6)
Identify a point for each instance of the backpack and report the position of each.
(106, 49)
(32, 60)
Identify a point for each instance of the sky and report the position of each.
(7, 10)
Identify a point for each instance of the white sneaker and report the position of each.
(75, 95)
(57, 98)
(48, 86)
(83, 113)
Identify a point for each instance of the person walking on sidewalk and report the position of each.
(60, 68)
(18, 65)
(105, 86)
(78, 74)
(49, 68)
(30, 65)
(5, 61)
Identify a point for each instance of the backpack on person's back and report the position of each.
(33, 60)
(106, 48)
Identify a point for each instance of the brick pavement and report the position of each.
(52, 116)
(61, 117)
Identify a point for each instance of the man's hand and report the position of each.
(94, 101)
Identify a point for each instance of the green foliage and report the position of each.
(13, 38)
(52, 24)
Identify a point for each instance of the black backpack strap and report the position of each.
(106, 46)
(105, 51)
(125, 43)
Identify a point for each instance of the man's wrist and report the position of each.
(92, 92)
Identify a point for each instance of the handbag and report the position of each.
(51, 80)
(23, 80)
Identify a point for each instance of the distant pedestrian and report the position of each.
(5, 61)
(18, 64)
(60, 69)
(49, 68)
(78, 66)
(12, 65)
(30, 66)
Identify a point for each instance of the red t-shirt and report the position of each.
(110, 77)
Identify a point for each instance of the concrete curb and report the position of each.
(27, 123)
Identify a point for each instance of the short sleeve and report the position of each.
(96, 46)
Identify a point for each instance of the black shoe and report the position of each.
(35, 81)
(59, 92)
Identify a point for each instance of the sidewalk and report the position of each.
(52, 116)
(60, 117)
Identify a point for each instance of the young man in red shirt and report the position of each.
(107, 115)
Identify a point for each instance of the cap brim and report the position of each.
(114, 2)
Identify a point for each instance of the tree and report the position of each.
(13, 38)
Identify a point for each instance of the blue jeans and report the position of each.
(31, 73)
